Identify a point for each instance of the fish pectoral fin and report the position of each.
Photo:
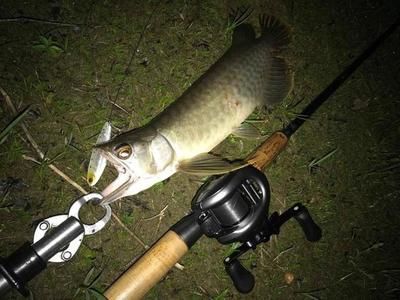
(208, 164)
(247, 131)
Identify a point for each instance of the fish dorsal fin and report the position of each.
(242, 32)
(247, 131)
(207, 164)
(274, 32)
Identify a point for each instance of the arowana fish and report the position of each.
(248, 75)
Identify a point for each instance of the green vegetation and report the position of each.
(48, 45)
(88, 289)
(75, 77)
(4, 133)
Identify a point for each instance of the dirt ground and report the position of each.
(70, 60)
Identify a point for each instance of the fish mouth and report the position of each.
(129, 182)
(119, 187)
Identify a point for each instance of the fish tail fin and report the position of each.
(274, 32)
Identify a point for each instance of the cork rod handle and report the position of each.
(149, 269)
(266, 153)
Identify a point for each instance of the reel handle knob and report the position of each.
(311, 230)
(241, 277)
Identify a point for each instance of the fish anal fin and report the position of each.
(208, 164)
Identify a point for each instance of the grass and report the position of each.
(4, 133)
(222, 295)
(354, 199)
(14, 152)
(127, 218)
(49, 46)
(87, 288)
(316, 162)
(236, 18)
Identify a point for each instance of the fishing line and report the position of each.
(133, 54)
(295, 124)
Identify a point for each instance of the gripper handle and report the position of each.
(149, 269)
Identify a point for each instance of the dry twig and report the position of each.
(23, 19)
(282, 252)
(54, 168)
(160, 215)
(129, 231)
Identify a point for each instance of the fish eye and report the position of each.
(123, 151)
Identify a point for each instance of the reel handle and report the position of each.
(242, 279)
(311, 230)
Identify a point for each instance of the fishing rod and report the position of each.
(224, 201)
(58, 238)
(274, 145)
(233, 209)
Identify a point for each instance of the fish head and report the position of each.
(142, 158)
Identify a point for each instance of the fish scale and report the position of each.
(248, 75)
(217, 104)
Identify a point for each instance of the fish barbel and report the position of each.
(248, 75)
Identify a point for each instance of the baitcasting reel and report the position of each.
(234, 208)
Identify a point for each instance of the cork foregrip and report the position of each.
(149, 269)
(268, 151)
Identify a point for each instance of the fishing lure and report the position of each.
(98, 162)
